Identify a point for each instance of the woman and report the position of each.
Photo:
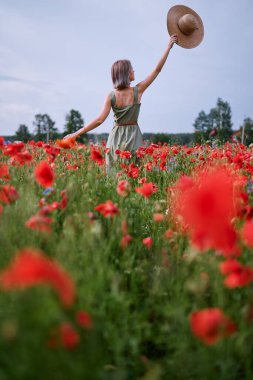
(125, 102)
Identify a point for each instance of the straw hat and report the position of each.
(187, 24)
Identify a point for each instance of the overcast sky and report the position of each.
(56, 55)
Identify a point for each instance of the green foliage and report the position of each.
(218, 120)
(161, 138)
(22, 133)
(44, 129)
(74, 122)
(247, 126)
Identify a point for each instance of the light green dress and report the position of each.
(126, 134)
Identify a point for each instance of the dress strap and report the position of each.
(113, 99)
(135, 95)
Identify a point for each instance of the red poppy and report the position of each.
(4, 172)
(44, 174)
(84, 319)
(107, 209)
(39, 222)
(125, 154)
(247, 233)
(69, 337)
(158, 217)
(97, 156)
(148, 166)
(237, 274)
(65, 336)
(148, 241)
(143, 180)
(66, 143)
(13, 149)
(168, 234)
(123, 188)
(146, 190)
(52, 150)
(131, 170)
(125, 241)
(210, 325)
(31, 267)
(21, 158)
(206, 205)
(8, 194)
(64, 200)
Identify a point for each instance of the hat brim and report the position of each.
(185, 41)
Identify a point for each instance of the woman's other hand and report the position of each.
(71, 136)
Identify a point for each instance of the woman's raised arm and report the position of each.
(142, 86)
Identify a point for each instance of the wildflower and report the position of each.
(237, 274)
(131, 170)
(125, 154)
(4, 172)
(158, 217)
(148, 241)
(69, 336)
(8, 194)
(206, 205)
(64, 200)
(123, 188)
(247, 233)
(84, 319)
(22, 158)
(168, 234)
(146, 190)
(31, 267)
(148, 166)
(125, 241)
(143, 180)
(66, 143)
(52, 151)
(210, 325)
(65, 336)
(96, 156)
(107, 209)
(39, 222)
(44, 174)
(13, 149)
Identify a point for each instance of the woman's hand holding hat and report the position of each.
(173, 40)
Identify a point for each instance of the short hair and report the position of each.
(120, 73)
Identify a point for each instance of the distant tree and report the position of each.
(218, 120)
(22, 133)
(248, 130)
(222, 121)
(44, 128)
(74, 121)
(202, 127)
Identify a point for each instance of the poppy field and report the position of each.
(145, 272)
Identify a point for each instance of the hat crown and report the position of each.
(187, 24)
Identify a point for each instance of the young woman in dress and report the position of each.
(125, 102)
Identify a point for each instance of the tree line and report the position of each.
(214, 125)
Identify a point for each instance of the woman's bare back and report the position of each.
(125, 97)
